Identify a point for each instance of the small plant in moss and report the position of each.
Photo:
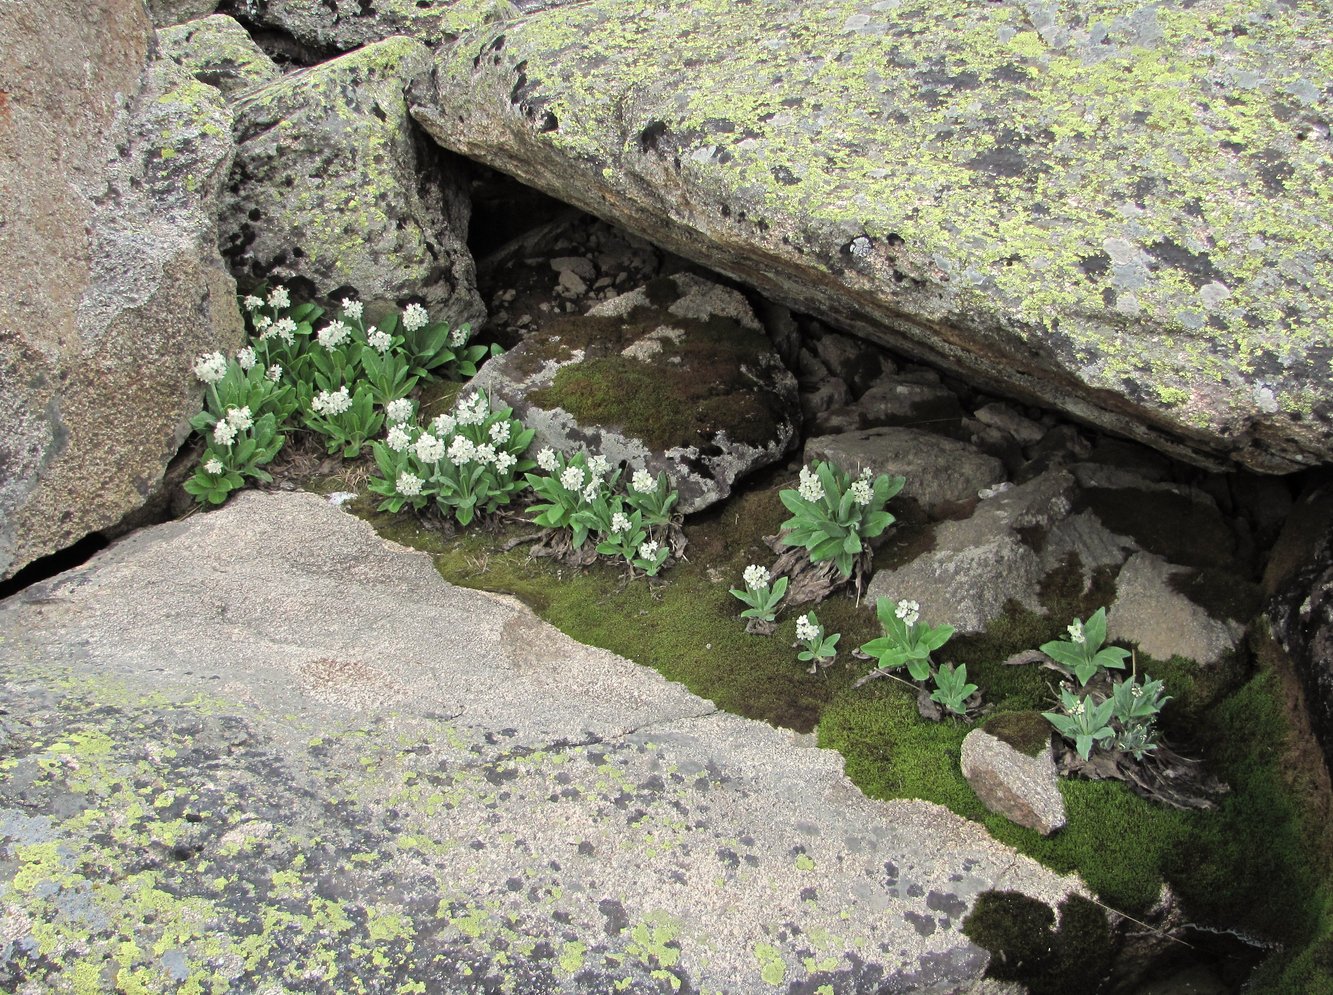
(907, 641)
(952, 689)
(817, 649)
(762, 595)
(1082, 653)
(833, 514)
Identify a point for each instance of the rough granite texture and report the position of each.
(219, 52)
(1119, 209)
(1023, 789)
(112, 283)
(1163, 622)
(171, 12)
(263, 749)
(333, 187)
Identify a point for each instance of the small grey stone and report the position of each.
(1023, 789)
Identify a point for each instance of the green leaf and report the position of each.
(1094, 629)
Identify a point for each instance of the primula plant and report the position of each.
(1083, 653)
(761, 593)
(817, 649)
(952, 689)
(1083, 720)
(906, 640)
(833, 514)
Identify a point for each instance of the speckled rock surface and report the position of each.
(265, 747)
(1023, 789)
(217, 51)
(333, 186)
(677, 376)
(1150, 612)
(169, 12)
(1118, 209)
(112, 281)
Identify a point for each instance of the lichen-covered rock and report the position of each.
(112, 279)
(219, 52)
(171, 12)
(941, 473)
(332, 186)
(675, 376)
(1024, 789)
(1118, 209)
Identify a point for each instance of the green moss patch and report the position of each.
(1027, 732)
(1018, 932)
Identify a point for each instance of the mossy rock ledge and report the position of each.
(676, 376)
(1125, 211)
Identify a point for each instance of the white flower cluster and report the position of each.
(805, 630)
(409, 484)
(278, 298)
(246, 359)
(619, 523)
(331, 403)
(252, 303)
(399, 411)
(398, 439)
(283, 328)
(443, 425)
(332, 335)
(214, 465)
(643, 482)
(810, 488)
(472, 410)
(546, 460)
(500, 433)
(352, 309)
(459, 336)
(429, 449)
(378, 340)
(908, 611)
(756, 577)
(598, 465)
(571, 478)
(415, 317)
(648, 551)
(862, 493)
(1076, 633)
(211, 368)
(240, 418)
(274, 373)
(461, 450)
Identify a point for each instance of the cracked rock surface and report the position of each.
(264, 743)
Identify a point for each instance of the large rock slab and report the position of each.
(674, 376)
(332, 187)
(112, 279)
(1106, 209)
(296, 745)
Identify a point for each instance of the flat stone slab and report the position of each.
(264, 748)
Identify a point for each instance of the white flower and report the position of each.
(278, 298)
(239, 418)
(598, 465)
(399, 410)
(867, 472)
(648, 551)
(428, 448)
(908, 611)
(756, 576)
(377, 340)
(274, 373)
(285, 329)
(332, 335)
(810, 488)
(504, 460)
(461, 450)
(805, 630)
(252, 303)
(214, 465)
(335, 403)
(500, 432)
(409, 484)
(352, 309)
(398, 439)
(862, 492)
(1076, 633)
(619, 522)
(485, 453)
(643, 482)
(211, 368)
(593, 491)
(1078, 708)
(224, 433)
(1135, 690)
(572, 478)
(264, 326)
(414, 317)
(459, 336)
(472, 410)
(443, 425)
(546, 460)
(245, 359)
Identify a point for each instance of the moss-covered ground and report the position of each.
(1258, 863)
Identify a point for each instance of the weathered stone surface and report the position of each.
(675, 376)
(112, 279)
(170, 12)
(1023, 789)
(263, 739)
(940, 472)
(332, 186)
(1110, 208)
(1149, 611)
(217, 51)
